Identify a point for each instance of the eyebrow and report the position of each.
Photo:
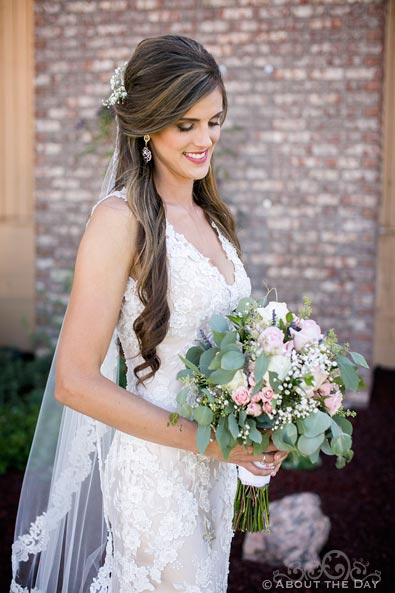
(195, 119)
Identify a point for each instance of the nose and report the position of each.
(202, 138)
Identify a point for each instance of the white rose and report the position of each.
(278, 364)
(280, 309)
(239, 380)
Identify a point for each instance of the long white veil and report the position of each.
(62, 538)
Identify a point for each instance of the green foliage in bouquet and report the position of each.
(267, 371)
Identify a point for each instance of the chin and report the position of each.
(201, 176)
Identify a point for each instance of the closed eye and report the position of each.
(212, 124)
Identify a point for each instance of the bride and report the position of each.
(130, 505)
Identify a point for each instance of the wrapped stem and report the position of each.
(251, 508)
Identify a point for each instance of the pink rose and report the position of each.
(333, 402)
(310, 332)
(254, 409)
(325, 388)
(289, 346)
(319, 376)
(241, 395)
(267, 393)
(257, 397)
(267, 406)
(272, 340)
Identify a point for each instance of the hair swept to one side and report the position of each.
(163, 79)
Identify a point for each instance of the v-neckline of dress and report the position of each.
(197, 251)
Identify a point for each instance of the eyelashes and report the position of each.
(211, 124)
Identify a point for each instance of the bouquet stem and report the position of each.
(251, 508)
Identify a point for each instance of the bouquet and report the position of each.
(265, 372)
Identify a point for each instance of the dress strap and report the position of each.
(118, 193)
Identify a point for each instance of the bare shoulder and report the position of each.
(112, 229)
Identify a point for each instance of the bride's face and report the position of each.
(184, 149)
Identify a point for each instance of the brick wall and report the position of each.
(300, 153)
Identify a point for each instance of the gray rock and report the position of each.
(299, 530)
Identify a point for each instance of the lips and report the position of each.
(196, 157)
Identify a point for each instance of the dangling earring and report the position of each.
(147, 154)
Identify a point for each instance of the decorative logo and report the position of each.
(334, 566)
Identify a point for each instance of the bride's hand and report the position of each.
(244, 456)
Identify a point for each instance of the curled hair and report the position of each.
(164, 78)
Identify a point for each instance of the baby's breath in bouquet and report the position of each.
(265, 372)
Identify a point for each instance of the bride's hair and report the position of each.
(163, 79)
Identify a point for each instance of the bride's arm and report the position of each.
(101, 272)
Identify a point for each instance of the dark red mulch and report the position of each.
(358, 500)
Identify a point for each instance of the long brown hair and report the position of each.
(164, 78)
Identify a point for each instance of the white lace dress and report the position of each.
(171, 510)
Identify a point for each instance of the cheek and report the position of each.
(215, 136)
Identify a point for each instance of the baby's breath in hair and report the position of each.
(119, 93)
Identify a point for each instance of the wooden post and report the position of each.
(17, 250)
(384, 346)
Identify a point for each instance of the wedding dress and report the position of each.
(167, 512)
(171, 510)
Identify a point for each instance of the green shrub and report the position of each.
(22, 384)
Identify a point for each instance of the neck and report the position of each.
(175, 192)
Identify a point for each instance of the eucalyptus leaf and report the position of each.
(203, 434)
(242, 418)
(218, 337)
(183, 374)
(203, 415)
(229, 338)
(193, 354)
(359, 359)
(244, 304)
(185, 410)
(263, 445)
(278, 441)
(290, 434)
(221, 377)
(228, 347)
(261, 366)
(336, 429)
(326, 448)
(308, 445)
(215, 363)
(205, 360)
(222, 434)
(264, 421)
(233, 426)
(257, 387)
(232, 360)
(316, 423)
(348, 372)
(219, 324)
(344, 424)
(314, 457)
(349, 455)
(182, 395)
(190, 364)
(341, 444)
(254, 434)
